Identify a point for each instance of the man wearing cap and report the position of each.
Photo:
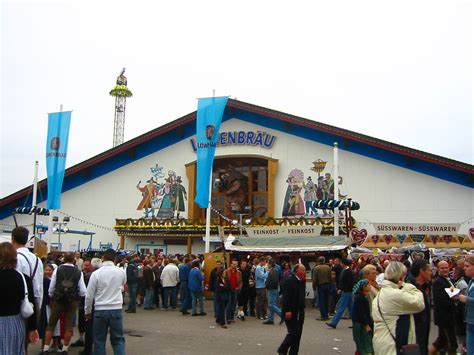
(310, 196)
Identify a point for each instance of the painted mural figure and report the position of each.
(235, 186)
(293, 203)
(161, 199)
(148, 192)
(167, 203)
(179, 193)
(328, 187)
(309, 197)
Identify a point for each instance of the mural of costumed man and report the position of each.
(179, 193)
(293, 204)
(309, 196)
(149, 191)
(328, 190)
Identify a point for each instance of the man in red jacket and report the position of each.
(235, 277)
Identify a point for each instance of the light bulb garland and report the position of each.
(86, 222)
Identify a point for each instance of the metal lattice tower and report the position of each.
(121, 92)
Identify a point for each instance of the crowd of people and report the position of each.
(390, 304)
(66, 289)
(61, 289)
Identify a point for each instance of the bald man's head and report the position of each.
(300, 271)
(443, 268)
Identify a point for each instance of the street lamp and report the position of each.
(59, 227)
(246, 211)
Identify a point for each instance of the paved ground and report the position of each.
(169, 332)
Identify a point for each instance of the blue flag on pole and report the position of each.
(56, 152)
(209, 118)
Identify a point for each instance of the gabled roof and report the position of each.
(185, 127)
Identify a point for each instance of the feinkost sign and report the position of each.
(285, 231)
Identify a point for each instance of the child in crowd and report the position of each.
(362, 322)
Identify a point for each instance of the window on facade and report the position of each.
(240, 182)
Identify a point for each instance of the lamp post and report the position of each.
(58, 227)
(246, 211)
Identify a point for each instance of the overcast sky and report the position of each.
(395, 70)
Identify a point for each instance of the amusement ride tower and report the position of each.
(121, 92)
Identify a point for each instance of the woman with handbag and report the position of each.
(392, 310)
(16, 305)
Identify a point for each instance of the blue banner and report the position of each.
(209, 117)
(56, 152)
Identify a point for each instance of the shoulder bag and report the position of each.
(407, 349)
(27, 308)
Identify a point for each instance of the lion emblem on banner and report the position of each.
(55, 143)
(210, 130)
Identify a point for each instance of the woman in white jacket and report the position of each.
(397, 301)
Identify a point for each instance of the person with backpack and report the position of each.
(66, 288)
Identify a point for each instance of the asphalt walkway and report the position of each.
(169, 332)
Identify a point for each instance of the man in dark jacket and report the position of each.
(346, 283)
(157, 269)
(293, 309)
(149, 278)
(444, 312)
(272, 289)
(243, 297)
(132, 283)
(421, 277)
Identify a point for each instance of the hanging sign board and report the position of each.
(285, 231)
(411, 228)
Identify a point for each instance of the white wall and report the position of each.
(386, 193)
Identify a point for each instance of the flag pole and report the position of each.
(336, 190)
(208, 218)
(33, 201)
(35, 185)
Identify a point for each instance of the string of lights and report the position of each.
(233, 221)
(86, 222)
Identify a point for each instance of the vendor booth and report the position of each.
(294, 249)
